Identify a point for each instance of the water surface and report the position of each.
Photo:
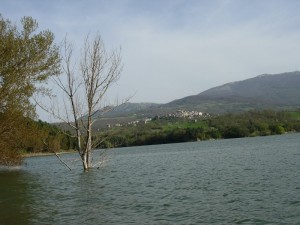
(238, 181)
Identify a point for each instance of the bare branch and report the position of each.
(62, 161)
(96, 72)
(51, 112)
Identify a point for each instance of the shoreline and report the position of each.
(37, 154)
(27, 155)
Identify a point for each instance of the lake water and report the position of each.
(238, 181)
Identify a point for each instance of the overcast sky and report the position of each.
(175, 48)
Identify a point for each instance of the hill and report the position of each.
(126, 109)
(277, 91)
(280, 89)
(267, 91)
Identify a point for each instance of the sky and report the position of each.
(175, 48)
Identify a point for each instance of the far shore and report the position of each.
(27, 155)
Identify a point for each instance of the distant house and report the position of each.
(147, 120)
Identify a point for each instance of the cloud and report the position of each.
(163, 64)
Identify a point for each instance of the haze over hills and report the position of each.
(280, 89)
(267, 91)
(264, 91)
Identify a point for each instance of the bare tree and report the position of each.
(84, 86)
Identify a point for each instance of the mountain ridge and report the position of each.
(265, 91)
(272, 90)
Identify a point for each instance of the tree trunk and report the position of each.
(85, 162)
(88, 147)
(97, 72)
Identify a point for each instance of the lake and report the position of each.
(237, 181)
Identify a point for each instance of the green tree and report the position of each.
(27, 59)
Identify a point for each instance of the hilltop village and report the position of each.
(190, 115)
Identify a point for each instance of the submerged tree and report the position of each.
(27, 59)
(84, 86)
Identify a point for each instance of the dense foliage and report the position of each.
(32, 137)
(27, 59)
(161, 131)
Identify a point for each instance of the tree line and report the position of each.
(32, 137)
(162, 131)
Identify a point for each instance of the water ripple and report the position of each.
(242, 181)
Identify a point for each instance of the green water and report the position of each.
(239, 181)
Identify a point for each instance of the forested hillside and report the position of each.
(268, 91)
